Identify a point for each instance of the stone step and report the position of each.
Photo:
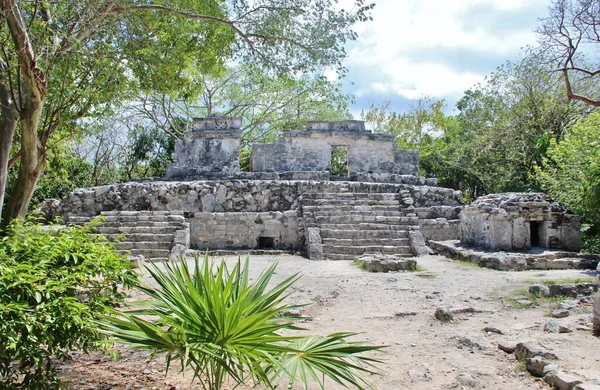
(113, 224)
(144, 218)
(351, 195)
(143, 212)
(367, 226)
(333, 211)
(354, 234)
(349, 202)
(76, 219)
(349, 208)
(140, 237)
(128, 245)
(366, 241)
(148, 253)
(134, 223)
(360, 218)
(361, 250)
(108, 230)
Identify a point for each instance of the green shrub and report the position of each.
(53, 283)
(214, 321)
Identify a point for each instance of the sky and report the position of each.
(436, 48)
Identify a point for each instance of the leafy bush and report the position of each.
(53, 284)
(220, 325)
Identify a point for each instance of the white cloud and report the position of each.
(401, 27)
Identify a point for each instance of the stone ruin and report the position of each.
(518, 231)
(288, 202)
(518, 222)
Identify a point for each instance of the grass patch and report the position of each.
(517, 299)
(466, 263)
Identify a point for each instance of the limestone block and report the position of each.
(315, 244)
(417, 243)
(521, 237)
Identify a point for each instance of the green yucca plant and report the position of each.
(219, 324)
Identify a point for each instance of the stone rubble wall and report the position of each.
(244, 210)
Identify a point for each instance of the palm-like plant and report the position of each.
(219, 324)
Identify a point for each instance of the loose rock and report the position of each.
(561, 380)
(560, 313)
(529, 350)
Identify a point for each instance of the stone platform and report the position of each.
(348, 219)
(534, 259)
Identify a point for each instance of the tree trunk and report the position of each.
(32, 164)
(8, 124)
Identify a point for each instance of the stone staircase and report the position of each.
(156, 235)
(345, 226)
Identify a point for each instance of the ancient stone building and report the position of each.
(287, 202)
(311, 150)
(211, 149)
(519, 221)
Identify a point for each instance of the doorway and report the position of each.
(339, 161)
(534, 233)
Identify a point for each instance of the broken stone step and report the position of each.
(339, 211)
(369, 226)
(354, 218)
(361, 250)
(350, 202)
(121, 222)
(561, 263)
(351, 257)
(351, 195)
(348, 208)
(344, 234)
(139, 237)
(367, 241)
(107, 230)
(128, 245)
(143, 212)
(78, 220)
(148, 253)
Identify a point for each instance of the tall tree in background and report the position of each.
(62, 61)
(570, 33)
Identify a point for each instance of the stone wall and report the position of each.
(518, 221)
(226, 201)
(265, 230)
(310, 150)
(211, 148)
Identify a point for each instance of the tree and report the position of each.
(570, 174)
(507, 123)
(268, 105)
(64, 61)
(423, 119)
(571, 31)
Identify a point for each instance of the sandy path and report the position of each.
(397, 309)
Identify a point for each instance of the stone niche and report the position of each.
(210, 150)
(518, 222)
(311, 150)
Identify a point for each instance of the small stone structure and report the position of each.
(211, 149)
(311, 150)
(518, 222)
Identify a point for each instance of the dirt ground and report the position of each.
(397, 310)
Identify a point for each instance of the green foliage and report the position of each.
(219, 324)
(569, 174)
(339, 161)
(53, 283)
